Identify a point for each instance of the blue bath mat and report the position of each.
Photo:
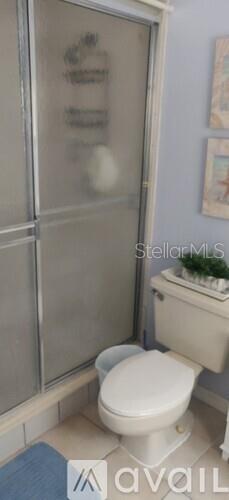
(40, 473)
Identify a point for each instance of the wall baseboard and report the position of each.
(212, 399)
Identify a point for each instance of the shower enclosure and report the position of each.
(75, 81)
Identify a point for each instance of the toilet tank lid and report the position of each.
(192, 297)
(146, 384)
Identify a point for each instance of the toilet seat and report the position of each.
(147, 384)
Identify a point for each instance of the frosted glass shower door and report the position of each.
(91, 82)
(19, 372)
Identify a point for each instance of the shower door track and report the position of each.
(136, 14)
(28, 61)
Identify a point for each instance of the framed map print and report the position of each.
(216, 189)
(220, 93)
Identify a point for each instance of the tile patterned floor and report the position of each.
(78, 438)
(84, 436)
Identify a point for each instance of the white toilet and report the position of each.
(145, 398)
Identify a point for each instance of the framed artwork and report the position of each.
(216, 189)
(220, 93)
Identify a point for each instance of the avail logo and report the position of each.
(87, 479)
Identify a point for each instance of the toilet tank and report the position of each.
(191, 324)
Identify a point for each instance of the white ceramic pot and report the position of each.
(219, 285)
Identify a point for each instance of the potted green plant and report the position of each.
(208, 271)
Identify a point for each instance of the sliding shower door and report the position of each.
(19, 378)
(90, 82)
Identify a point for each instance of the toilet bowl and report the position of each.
(144, 399)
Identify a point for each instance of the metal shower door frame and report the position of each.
(122, 11)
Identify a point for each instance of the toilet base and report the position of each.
(153, 449)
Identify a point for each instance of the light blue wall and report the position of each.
(194, 27)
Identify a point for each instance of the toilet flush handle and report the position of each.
(158, 294)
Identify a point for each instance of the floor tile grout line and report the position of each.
(217, 439)
(200, 456)
(211, 442)
(170, 491)
(93, 423)
(106, 456)
(211, 446)
(110, 453)
(106, 432)
(193, 464)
